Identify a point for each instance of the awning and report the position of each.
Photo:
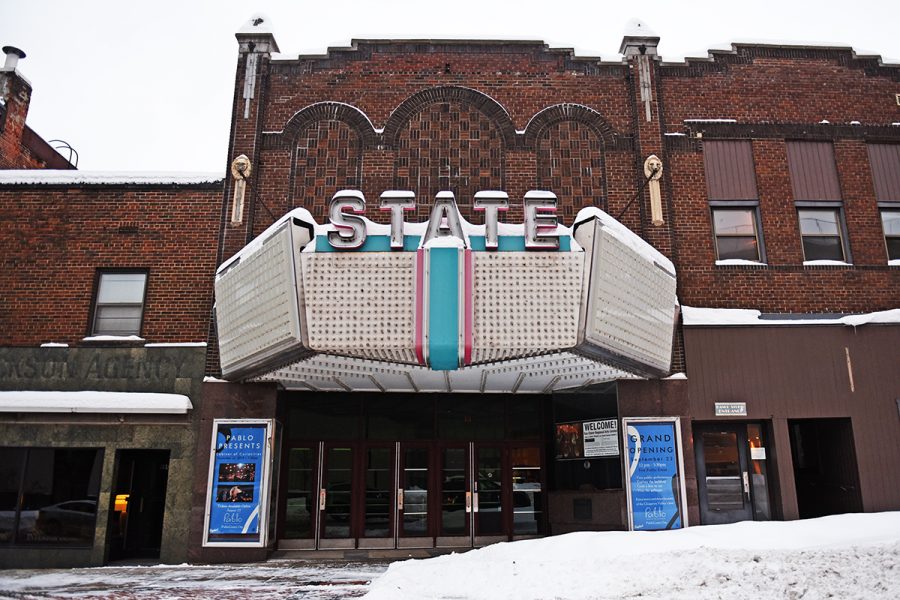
(94, 402)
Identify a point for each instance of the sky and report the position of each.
(148, 86)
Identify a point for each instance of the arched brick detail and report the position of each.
(331, 111)
(492, 109)
(568, 112)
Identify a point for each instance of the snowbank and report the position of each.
(850, 556)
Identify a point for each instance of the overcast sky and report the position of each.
(147, 85)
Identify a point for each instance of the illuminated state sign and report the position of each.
(445, 304)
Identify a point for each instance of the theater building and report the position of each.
(469, 292)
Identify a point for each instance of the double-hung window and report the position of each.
(884, 160)
(820, 230)
(817, 197)
(890, 222)
(119, 303)
(733, 201)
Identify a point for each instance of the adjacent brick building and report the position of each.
(780, 193)
(20, 146)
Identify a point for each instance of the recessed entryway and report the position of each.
(138, 504)
(825, 469)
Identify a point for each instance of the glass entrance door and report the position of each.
(489, 490)
(455, 496)
(410, 495)
(379, 507)
(527, 486)
(413, 498)
(300, 516)
(336, 497)
(723, 473)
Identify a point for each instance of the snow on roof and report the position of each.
(94, 402)
(739, 316)
(72, 177)
(258, 23)
(626, 236)
(637, 28)
(731, 47)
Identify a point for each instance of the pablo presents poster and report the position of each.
(237, 475)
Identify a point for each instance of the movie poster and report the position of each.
(655, 486)
(236, 495)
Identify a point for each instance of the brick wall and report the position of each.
(54, 239)
(467, 116)
(776, 95)
(20, 146)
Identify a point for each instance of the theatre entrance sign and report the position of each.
(445, 304)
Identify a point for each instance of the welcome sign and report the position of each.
(237, 496)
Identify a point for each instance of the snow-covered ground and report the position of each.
(845, 556)
(264, 581)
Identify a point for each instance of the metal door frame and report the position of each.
(739, 428)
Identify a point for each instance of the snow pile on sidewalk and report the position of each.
(844, 556)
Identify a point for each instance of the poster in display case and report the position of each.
(237, 498)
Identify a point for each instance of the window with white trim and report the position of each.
(736, 232)
(821, 232)
(119, 304)
(890, 223)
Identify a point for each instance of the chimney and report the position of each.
(13, 55)
(15, 96)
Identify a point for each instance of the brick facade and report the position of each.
(55, 238)
(466, 116)
(20, 146)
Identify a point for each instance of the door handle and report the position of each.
(468, 502)
(475, 502)
(747, 485)
(399, 498)
(322, 496)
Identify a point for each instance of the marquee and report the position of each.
(445, 305)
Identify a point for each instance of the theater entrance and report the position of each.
(410, 495)
(410, 471)
(731, 472)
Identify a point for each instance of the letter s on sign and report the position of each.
(350, 228)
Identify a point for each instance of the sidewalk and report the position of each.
(270, 580)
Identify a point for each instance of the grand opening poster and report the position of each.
(655, 477)
(237, 482)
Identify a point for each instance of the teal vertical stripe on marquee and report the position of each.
(443, 309)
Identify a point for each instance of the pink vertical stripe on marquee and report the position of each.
(420, 305)
(469, 308)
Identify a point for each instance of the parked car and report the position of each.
(70, 519)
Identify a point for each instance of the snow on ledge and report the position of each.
(675, 377)
(176, 345)
(694, 316)
(825, 263)
(71, 177)
(739, 261)
(894, 262)
(94, 402)
(54, 345)
(113, 338)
